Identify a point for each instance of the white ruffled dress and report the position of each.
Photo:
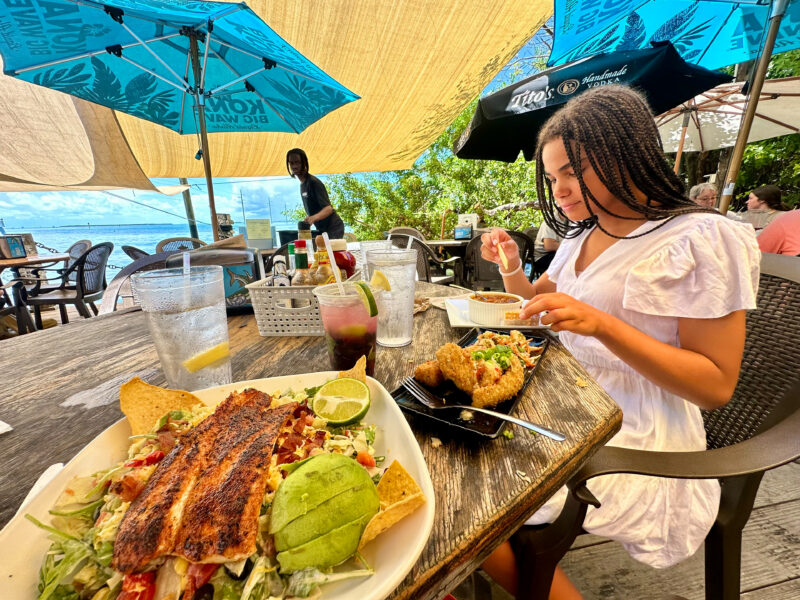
(696, 266)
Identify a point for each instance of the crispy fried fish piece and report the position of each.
(429, 373)
(504, 388)
(457, 366)
(203, 500)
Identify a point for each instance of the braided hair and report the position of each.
(612, 127)
(303, 159)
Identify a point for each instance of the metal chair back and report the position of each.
(480, 273)
(405, 241)
(90, 269)
(134, 253)
(769, 365)
(407, 231)
(177, 244)
(120, 286)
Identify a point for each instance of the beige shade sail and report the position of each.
(415, 63)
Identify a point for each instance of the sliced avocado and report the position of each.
(321, 478)
(329, 550)
(343, 508)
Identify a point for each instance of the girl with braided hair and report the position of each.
(649, 292)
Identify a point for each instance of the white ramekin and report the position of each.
(489, 314)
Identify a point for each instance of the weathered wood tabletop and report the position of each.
(60, 389)
(31, 261)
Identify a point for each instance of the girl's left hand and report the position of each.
(565, 313)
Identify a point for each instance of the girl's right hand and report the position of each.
(490, 242)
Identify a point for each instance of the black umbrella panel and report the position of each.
(508, 121)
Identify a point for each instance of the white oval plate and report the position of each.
(392, 554)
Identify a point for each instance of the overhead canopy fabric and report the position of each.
(416, 65)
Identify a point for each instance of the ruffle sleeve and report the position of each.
(707, 270)
(561, 258)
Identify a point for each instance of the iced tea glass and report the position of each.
(186, 317)
(350, 331)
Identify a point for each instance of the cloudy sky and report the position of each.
(45, 209)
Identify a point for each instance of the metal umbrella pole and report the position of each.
(778, 10)
(200, 102)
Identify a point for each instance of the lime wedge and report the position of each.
(207, 357)
(367, 298)
(342, 401)
(379, 281)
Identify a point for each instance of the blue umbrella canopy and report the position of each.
(708, 33)
(135, 57)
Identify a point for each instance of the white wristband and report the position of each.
(510, 273)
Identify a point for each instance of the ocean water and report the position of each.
(144, 237)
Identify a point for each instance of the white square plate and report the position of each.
(458, 314)
(392, 554)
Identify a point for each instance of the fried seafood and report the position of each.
(457, 366)
(491, 370)
(429, 373)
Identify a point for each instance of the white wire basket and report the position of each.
(281, 311)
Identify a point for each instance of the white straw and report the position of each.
(333, 262)
(186, 264)
(187, 290)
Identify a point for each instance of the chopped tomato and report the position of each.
(364, 458)
(197, 575)
(128, 488)
(138, 586)
(151, 459)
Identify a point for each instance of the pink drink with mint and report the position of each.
(350, 332)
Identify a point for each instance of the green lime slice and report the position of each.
(342, 401)
(367, 298)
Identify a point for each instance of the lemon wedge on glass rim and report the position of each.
(208, 357)
(379, 281)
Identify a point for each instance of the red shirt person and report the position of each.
(782, 236)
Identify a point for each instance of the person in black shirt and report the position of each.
(315, 196)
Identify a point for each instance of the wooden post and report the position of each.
(686, 116)
(187, 205)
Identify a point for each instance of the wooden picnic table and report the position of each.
(61, 390)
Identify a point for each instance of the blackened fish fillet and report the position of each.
(203, 500)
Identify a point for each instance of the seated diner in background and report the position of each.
(544, 247)
(764, 205)
(648, 291)
(704, 194)
(782, 236)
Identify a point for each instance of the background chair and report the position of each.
(90, 281)
(430, 267)
(480, 274)
(177, 244)
(407, 231)
(134, 253)
(120, 286)
(15, 308)
(756, 431)
(38, 276)
(269, 259)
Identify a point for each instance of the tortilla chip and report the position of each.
(396, 485)
(145, 404)
(400, 496)
(359, 371)
(389, 516)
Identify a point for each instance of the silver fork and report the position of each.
(431, 401)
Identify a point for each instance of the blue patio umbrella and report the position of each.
(191, 66)
(708, 33)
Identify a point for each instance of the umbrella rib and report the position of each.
(716, 34)
(205, 60)
(184, 89)
(279, 66)
(235, 81)
(150, 50)
(183, 96)
(87, 55)
(779, 123)
(260, 97)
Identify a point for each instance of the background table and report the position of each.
(31, 261)
(62, 388)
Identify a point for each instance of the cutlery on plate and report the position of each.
(432, 401)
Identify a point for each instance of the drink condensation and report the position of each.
(396, 311)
